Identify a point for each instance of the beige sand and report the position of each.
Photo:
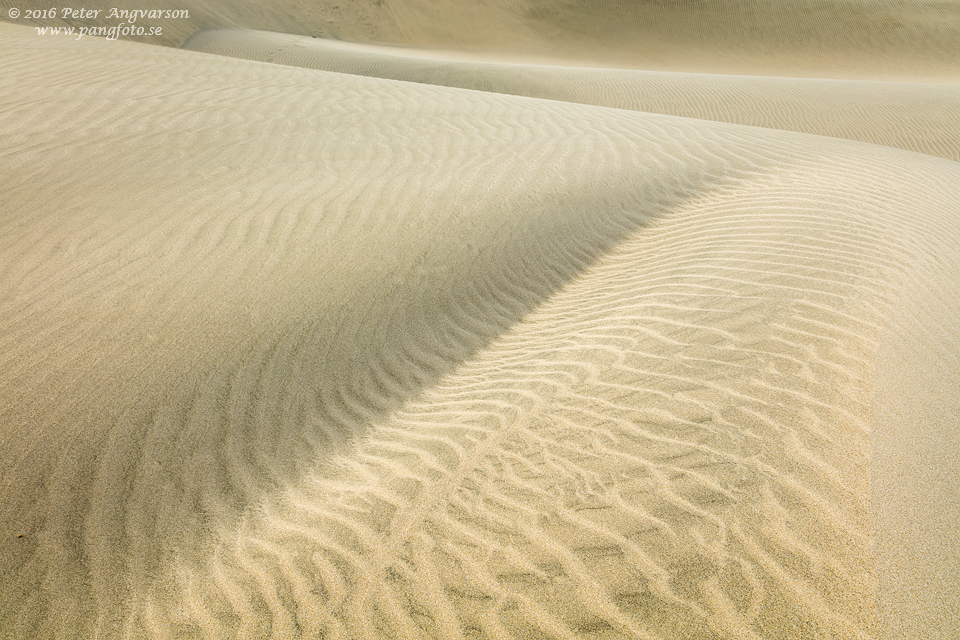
(288, 353)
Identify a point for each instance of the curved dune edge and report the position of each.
(289, 352)
(913, 116)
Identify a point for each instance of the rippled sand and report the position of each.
(344, 341)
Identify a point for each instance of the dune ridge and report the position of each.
(291, 353)
(579, 477)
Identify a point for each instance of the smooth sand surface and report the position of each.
(294, 353)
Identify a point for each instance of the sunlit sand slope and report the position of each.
(914, 116)
(294, 354)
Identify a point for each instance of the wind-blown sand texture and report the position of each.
(293, 353)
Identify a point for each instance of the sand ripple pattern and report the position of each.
(674, 446)
(296, 354)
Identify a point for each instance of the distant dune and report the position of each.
(908, 115)
(355, 341)
(867, 39)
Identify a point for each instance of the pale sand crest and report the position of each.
(289, 353)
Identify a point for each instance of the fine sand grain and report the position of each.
(372, 344)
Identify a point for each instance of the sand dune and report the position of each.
(908, 115)
(867, 39)
(293, 353)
